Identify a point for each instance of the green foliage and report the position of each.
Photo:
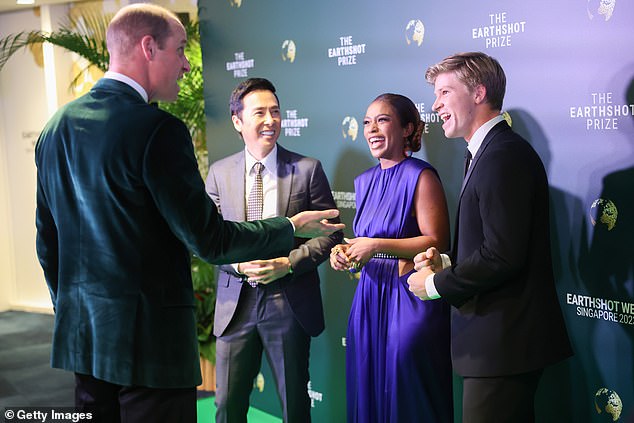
(86, 36)
(190, 104)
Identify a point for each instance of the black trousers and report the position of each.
(110, 403)
(263, 323)
(507, 399)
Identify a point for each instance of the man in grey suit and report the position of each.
(272, 304)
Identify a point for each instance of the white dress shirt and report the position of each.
(269, 184)
(127, 80)
(269, 181)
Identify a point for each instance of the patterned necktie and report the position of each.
(256, 196)
(467, 162)
(255, 201)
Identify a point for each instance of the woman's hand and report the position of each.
(338, 257)
(360, 250)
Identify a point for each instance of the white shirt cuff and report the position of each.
(430, 286)
(432, 293)
(446, 261)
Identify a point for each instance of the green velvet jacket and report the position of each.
(120, 206)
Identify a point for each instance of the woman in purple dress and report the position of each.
(398, 366)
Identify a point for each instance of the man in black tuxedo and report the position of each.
(272, 304)
(507, 323)
(120, 205)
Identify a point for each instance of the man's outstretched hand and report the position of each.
(314, 223)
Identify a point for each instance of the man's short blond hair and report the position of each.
(473, 69)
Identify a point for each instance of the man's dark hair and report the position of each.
(245, 87)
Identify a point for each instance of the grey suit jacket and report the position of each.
(302, 185)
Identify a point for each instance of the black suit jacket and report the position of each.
(302, 185)
(120, 205)
(506, 317)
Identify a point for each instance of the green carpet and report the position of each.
(207, 413)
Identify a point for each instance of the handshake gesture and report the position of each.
(425, 263)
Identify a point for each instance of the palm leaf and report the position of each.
(85, 36)
(190, 104)
(13, 43)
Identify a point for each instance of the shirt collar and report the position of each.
(478, 136)
(127, 80)
(269, 161)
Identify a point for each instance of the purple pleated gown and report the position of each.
(398, 365)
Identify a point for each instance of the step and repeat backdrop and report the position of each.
(570, 93)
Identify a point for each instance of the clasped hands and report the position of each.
(425, 264)
(353, 255)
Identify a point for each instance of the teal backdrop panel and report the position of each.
(570, 93)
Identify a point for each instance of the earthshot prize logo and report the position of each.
(602, 113)
(235, 3)
(240, 65)
(415, 32)
(600, 9)
(427, 117)
(608, 401)
(288, 51)
(347, 52)
(293, 124)
(615, 311)
(314, 395)
(499, 30)
(346, 199)
(603, 214)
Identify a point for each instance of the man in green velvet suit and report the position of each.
(120, 205)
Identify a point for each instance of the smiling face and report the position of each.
(384, 133)
(259, 122)
(457, 105)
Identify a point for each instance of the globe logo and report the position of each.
(415, 32)
(508, 118)
(350, 128)
(603, 8)
(235, 3)
(603, 212)
(607, 401)
(288, 50)
(258, 383)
